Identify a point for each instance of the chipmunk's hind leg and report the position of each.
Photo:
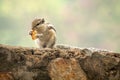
(51, 43)
(44, 46)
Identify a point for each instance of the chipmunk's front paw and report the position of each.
(38, 35)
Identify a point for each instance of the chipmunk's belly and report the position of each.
(38, 42)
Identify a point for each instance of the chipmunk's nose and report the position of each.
(33, 28)
(30, 33)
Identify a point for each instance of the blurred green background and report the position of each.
(82, 23)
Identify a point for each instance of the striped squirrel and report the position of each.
(43, 33)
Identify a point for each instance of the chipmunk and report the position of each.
(43, 33)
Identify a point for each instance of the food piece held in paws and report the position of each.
(33, 35)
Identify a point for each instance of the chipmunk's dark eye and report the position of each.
(37, 24)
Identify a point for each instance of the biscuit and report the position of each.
(33, 35)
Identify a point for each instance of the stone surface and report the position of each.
(102, 66)
(66, 69)
(6, 76)
(63, 63)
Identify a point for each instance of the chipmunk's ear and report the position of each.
(42, 21)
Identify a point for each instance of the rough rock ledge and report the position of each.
(23, 63)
